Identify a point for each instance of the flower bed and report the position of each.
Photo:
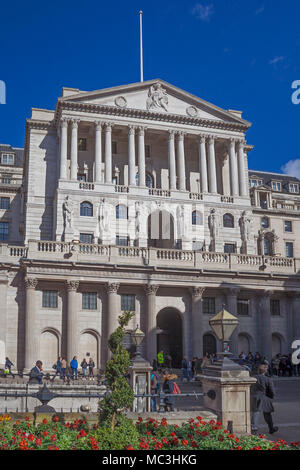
(146, 435)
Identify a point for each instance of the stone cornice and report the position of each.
(147, 115)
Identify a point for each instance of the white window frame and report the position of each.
(8, 155)
(294, 186)
(277, 185)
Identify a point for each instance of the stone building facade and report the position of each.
(139, 197)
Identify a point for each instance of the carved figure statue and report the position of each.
(213, 224)
(103, 217)
(245, 226)
(68, 213)
(157, 97)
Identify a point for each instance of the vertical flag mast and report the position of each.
(141, 45)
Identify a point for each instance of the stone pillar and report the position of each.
(234, 182)
(141, 156)
(113, 310)
(197, 321)
(74, 150)
(108, 153)
(296, 317)
(72, 320)
(231, 303)
(172, 160)
(131, 156)
(3, 321)
(203, 164)
(151, 322)
(265, 330)
(31, 339)
(242, 174)
(212, 166)
(98, 152)
(181, 161)
(63, 149)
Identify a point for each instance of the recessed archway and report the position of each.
(277, 342)
(244, 343)
(169, 338)
(49, 348)
(209, 344)
(89, 347)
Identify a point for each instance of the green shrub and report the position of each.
(124, 434)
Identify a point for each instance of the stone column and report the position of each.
(141, 156)
(63, 149)
(151, 322)
(296, 316)
(3, 321)
(181, 161)
(231, 303)
(108, 153)
(203, 164)
(212, 172)
(265, 330)
(197, 321)
(131, 156)
(72, 320)
(172, 160)
(113, 310)
(242, 175)
(74, 150)
(98, 152)
(31, 338)
(234, 182)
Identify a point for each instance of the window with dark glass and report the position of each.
(265, 222)
(243, 307)
(197, 218)
(82, 144)
(4, 230)
(275, 306)
(288, 226)
(289, 249)
(6, 179)
(122, 241)
(209, 305)
(128, 302)
(228, 221)
(267, 247)
(86, 238)
(7, 159)
(89, 300)
(114, 148)
(4, 203)
(81, 178)
(147, 151)
(121, 212)
(86, 209)
(50, 298)
(229, 248)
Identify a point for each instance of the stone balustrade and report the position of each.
(88, 186)
(81, 252)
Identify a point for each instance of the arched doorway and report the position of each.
(244, 343)
(49, 348)
(89, 347)
(169, 338)
(276, 344)
(209, 344)
(161, 230)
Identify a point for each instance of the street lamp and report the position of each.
(137, 336)
(223, 325)
(140, 374)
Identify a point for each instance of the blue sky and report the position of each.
(236, 54)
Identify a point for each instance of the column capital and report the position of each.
(141, 130)
(72, 285)
(197, 292)
(265, 293)
(202, 138)
(74, 123)
(98, 124)
(108, 125)
(171, 133)
(30, 282)
(232, 291)
(131, 129)
(180, 135)
(151, 289)
(64, 122)
(232, 140)
(112, 288)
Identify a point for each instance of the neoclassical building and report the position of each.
(139, 197)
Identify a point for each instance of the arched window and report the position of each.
(228, 221)
(149, 180)
(121, 212)
(196, 218)
(86, 209)
(267, 246)
(264, 222)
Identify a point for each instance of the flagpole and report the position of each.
(141, 45)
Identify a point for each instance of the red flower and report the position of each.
(38, 442)
(55, 419)
(53, 437)
(184, 442)
(45, 433)
(45, 421)
(27, 418)
(129, 448)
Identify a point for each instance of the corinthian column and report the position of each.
(131, 156)
(108, 154)
(141, 157)
(181, 161)
(98, 152)
(151, 322)
(197, 321)
(172, 160)
(296, 316)
(113, 309)
(203, 164)
(242, 176)
(212, 166)
(231, 301)
(63, 149)
(74, 150)
(234, 181)
(265, 331)
(72, 320)
(31, 338)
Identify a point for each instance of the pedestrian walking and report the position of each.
(160, 359)
(262, 393)
(91, 368)
(84, 367)
(154, 364)
(58, 369)
(63, 369)
(36, 373)
(7, 367)
(154, 389)
(184, 370)
(168, 387)
(74, 367)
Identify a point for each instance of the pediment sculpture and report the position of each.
(157, 97)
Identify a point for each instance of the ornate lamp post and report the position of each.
(137, 336)
(140, 374)
(223, 325)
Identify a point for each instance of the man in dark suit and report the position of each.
(262, 393)
(36, 374)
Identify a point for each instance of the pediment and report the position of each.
(155, 96)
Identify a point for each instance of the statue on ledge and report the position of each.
(157, 97)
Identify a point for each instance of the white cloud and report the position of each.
(203, 12)
(276, 60)
(292, 168)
